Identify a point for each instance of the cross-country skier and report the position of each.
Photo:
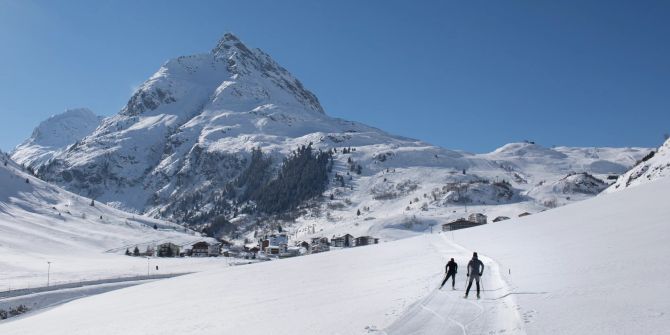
(475, 270)
(450, 271)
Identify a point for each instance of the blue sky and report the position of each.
(468, 75)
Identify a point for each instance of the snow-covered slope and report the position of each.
(54, 135)
(594, 267)
(188, 132)
(41, 222)
(653, 166)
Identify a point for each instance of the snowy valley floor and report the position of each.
(594, 267)
(368, 287)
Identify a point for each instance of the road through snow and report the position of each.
(42, 298)
(445, 311)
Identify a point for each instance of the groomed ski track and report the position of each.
(445, 311)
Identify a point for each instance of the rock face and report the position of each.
(655, 165)
(54, 135)
(187, 134)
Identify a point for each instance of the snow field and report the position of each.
(594, 267)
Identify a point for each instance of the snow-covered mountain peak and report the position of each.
(231, 78)
(65, 128)
(229, 43)
(255, 64)
(55, 134)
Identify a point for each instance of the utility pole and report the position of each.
(48, 273)
(148, 258)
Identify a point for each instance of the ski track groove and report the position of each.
(449, 312)
(460, 325)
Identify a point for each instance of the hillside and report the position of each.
(42, 223)
(593, 267)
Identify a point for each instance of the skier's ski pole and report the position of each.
(481, 282)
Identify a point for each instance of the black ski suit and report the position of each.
(475, 270)
(451, 269)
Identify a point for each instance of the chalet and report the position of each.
(264, 244)
(337, 242)
(278, 239)
(349, 240)
(366, 240)
(315, 249)
(320, 240)
(168, 249)
(459, 224)
(272, 250)
(344, 241)
(200, 249)
(319, 244)
(273, 240)
(524, 214)
(214, 250)
(500, 218)
(478, 218)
